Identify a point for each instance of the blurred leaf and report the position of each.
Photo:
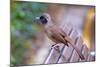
(22, 27)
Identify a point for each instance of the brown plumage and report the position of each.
(56, 34)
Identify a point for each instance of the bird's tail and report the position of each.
(75, 47)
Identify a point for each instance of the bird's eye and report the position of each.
(43, 20)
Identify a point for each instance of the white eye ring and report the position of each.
(48, 17)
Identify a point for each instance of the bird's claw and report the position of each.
(55, 46)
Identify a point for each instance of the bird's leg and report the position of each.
(56, 47)
(53, 45)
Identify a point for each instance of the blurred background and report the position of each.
(26, 39)
(29, 45)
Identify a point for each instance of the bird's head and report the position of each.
(44, 19)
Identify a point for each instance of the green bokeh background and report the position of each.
(22, 27)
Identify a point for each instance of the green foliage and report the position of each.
(23, 27)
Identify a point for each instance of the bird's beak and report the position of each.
(37, 19)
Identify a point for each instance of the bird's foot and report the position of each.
(55, 46)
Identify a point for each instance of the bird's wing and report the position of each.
(62, 32)
(58, 35)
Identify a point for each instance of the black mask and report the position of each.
(43, 20)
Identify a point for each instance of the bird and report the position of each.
(55, 33)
